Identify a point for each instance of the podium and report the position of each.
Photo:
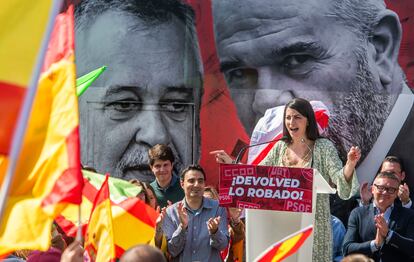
(266, 227)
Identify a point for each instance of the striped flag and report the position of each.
(99, 238)
(23, 30)
(270, 128)
(47, 175)
(285, 247)
(129, 213)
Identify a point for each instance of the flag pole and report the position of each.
(24, 115)
(79, 231)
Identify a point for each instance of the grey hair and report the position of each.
(359, 16)
(152, 12)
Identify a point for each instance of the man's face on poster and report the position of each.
(274, 50)
(145, 97)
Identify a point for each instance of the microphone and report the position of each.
(241, 152)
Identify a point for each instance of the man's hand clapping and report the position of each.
(182, 214)
(213, 224)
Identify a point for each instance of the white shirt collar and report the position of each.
(387, 213)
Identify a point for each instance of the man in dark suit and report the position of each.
(382, 230)
(395, 165)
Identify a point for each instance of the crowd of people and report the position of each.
(342, 52)
(192, 226)
(266, 61)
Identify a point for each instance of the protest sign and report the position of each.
(266, 187)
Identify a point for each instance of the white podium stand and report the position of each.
(265, 227)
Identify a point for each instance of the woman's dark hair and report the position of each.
(149, 187)
(304, 108)
(144, 186)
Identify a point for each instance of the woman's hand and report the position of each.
(222, 157)
(354, 155)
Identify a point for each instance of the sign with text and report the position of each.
(266, 187)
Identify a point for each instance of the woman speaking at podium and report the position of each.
(302, 146)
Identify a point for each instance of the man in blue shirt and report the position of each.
(196, 227)
(166, 185)
(338, 233)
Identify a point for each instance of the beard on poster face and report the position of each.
(357, 119)
(357, 114)
(134, 164)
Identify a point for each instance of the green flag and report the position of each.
(120, 189)
(83, 82)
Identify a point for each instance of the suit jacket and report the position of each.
(398, 201)
(362, 230)
(403, 147)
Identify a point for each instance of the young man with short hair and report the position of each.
(166, 185)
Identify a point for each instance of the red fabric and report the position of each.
(322, 118)
(68, 188)
(405, 10)
(12, 98)
(220, 125)
(53, 254)
(62, 42)
(133, 206)
(265, 151)
(268, 257)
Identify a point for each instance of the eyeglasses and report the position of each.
(388, 190)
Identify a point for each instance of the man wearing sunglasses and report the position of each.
(382, 230)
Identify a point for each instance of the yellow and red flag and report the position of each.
(99, 239)
(47, 175)
(23, 30)
(129, 213)
(285, 247)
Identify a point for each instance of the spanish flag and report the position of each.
(129, 213)
(23, 27)
(99, 240)
(285, 247)
(47, 174)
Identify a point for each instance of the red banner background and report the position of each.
(266, 187)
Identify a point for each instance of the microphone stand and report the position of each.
(241, 152)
